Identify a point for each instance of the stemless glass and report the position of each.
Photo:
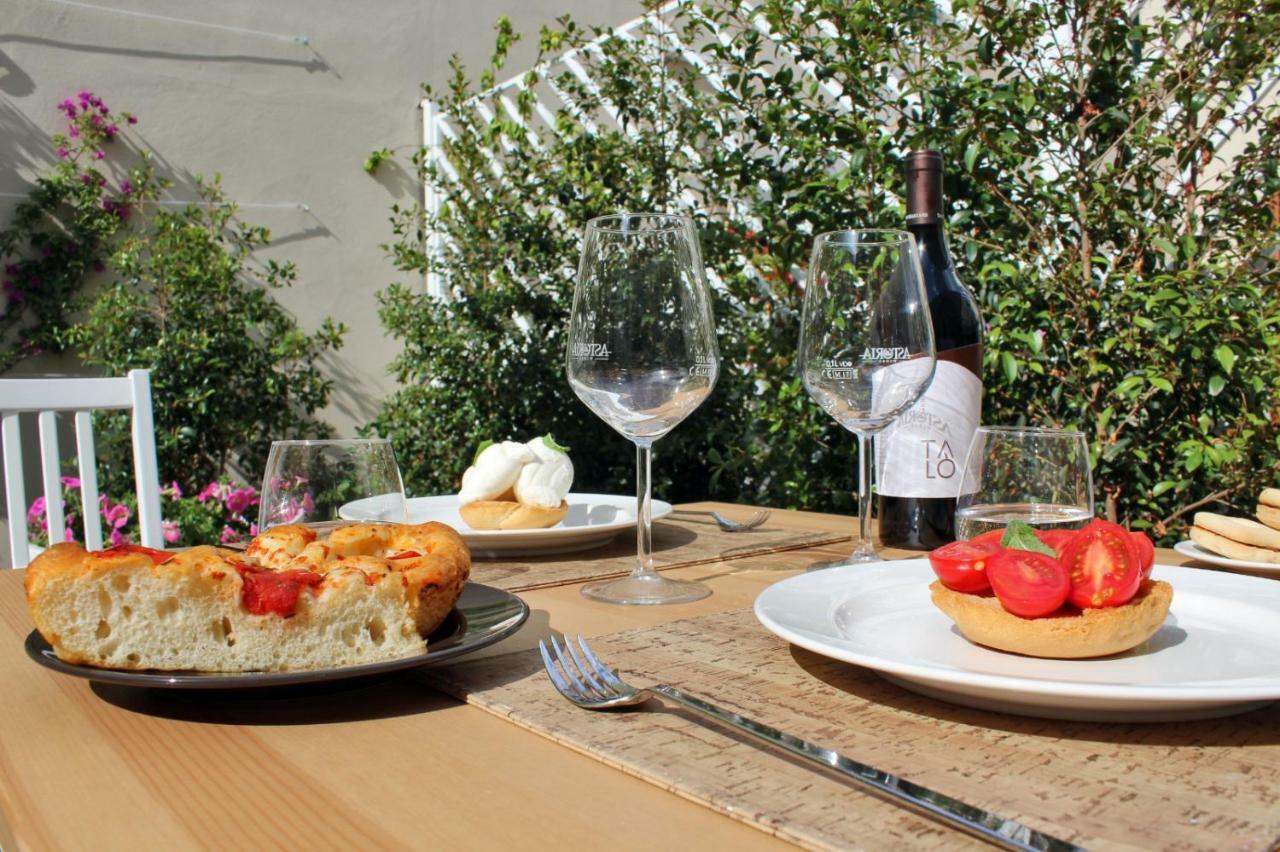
(324, 484)
(642, 355)
(866, 342)
(1039, 476)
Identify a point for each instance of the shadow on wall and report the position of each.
(24, 145)
(397, 180)
(14, 82)
(316, 64)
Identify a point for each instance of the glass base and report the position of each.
(863, 553)
(645, 589)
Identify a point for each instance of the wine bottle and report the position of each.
(920, 457)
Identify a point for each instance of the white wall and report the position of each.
(283, 123)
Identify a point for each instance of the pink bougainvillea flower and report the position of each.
(173, 492)
(240, 499)
(171, 531)
(117, 538)
(99, 154)
(253, 529)
(126, 187)
(308, 504)
(117, 515)
(132, 119)
(210, 491)
(229, 536)
(86, 179)
(36, 510)
(63, 153)
(73, 132)
(70, 482)
(68, 534)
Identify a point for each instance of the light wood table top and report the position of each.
(395, 765)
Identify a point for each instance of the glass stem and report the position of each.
(644, 510)
(864, 546)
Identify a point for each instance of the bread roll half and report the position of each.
(510, 515)
(1069, 635)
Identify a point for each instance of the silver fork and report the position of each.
(585, 681)
(729, 525)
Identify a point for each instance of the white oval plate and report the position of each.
(1190, 549)
(1214, 656)
(592, 520)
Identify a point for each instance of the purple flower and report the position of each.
(71, 482)
(174, 491)
(210, 491)
(85, 97)
(73, 132)
(111, 130)
(86, 178)
(68, 534)
(229, 535)
(253, 529)
(99, 154)
(126, 187)
(36, 511)
(117, 538)
(308, 504)
(170, 531)
(68, 106)
(132, 119)
(63, 153)
(103, 109)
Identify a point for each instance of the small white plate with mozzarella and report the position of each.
(592, 521)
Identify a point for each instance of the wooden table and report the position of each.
(395, 765)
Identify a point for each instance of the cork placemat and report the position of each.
(1213, 784)
(677, 542)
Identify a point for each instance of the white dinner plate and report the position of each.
(1215, 655)
(1195, 551)
(592, 520)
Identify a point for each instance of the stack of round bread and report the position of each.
(371, 592)
(1242, 538)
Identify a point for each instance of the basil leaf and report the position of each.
(551, 442)
(1020, 536)
(484, 445)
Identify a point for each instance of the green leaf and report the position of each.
(1019, 535)
(1010, 366)
(1226, 356)
(1216, 384)
(484, 445)
(551, 443)
(971, 155)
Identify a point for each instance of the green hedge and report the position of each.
(1123, 264)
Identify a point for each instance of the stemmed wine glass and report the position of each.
(642, 355)
(866, 342)
(326, 483)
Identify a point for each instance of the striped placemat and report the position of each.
(1191, 785)
(677, 542)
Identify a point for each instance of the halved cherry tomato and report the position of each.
(1146, 552)
(1028, 584)
(1057, 539)
(1104, 566)
(961, 565)
(992, 536)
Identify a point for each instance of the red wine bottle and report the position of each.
(919, 458)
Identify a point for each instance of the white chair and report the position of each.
(47, 396)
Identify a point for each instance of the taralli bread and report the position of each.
(371, 592)
(1269, 507)
(1071, 635)
(1236, 538)
(510, 515)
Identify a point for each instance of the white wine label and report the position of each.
(922, 453)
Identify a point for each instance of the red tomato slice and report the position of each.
(1146, 552)
(1028, 584)
(962, 565)
(992, 536)
(1057, 539)
(159, 557)
(1104, 566)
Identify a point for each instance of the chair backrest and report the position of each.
(45, 397)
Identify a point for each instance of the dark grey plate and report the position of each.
(484, 615)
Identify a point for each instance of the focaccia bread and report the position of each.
(370, 592)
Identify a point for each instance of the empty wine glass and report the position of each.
(324, 484)
(1023, 473)
(866, 342)
(642, 355)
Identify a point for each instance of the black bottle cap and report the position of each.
(924, 187)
